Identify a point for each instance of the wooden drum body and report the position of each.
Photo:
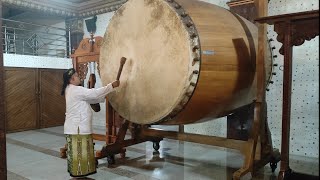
(187, 61)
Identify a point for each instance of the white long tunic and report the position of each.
(78, 110)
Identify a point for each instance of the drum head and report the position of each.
(156, 76)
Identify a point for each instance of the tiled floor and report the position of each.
(35, 155)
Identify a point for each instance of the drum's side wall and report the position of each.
(305, 92)
(227, 68)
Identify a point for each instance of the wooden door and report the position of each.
(52, 104)
(3, 150)
(21, 99)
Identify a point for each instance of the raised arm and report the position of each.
(97, 95)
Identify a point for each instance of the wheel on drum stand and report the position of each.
(111, 159)
(97, 162)
(273, 166)
(156, 145)
(123, 153)
(274, 160)
(63, 153)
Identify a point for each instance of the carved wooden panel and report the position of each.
(301, 31)
(88, 51)
(52, 104)
(245, 8)
(21, 100)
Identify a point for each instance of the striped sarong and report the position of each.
(80, 155)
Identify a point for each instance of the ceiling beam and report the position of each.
(67, 9)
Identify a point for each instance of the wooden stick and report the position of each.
(122, 62)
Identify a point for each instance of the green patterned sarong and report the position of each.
(80, 155)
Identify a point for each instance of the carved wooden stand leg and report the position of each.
(115, 141)
(258, 148)
(117, 147)
(109, 153)
(63, 151)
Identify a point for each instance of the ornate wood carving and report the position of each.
(245, 8)
(303, 26)
(300, 32)
(82, 70)
(293, 29)
(86, 53)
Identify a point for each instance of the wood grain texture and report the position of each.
(32, 98)
(52, 104)
(248, 11)
(3, 157)
(21, 101)
(227, 78)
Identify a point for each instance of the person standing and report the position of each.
(78, 122)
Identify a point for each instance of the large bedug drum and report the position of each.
(187, 61)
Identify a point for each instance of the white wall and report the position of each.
(16, 60)
(305, 97)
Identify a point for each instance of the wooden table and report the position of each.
(293, 29)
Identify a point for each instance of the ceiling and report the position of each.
(30, 16)
(73, 1)
(63, 8)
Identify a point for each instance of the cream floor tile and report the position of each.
(35, 155)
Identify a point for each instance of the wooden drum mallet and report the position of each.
(122, 62)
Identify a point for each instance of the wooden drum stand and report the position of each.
(257, 148)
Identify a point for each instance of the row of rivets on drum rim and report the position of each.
(187, 21)
(193, 73)
(190, 28)
(195, 45)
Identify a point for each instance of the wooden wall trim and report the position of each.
(3, 154)
(244, 8)
(239, 2)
